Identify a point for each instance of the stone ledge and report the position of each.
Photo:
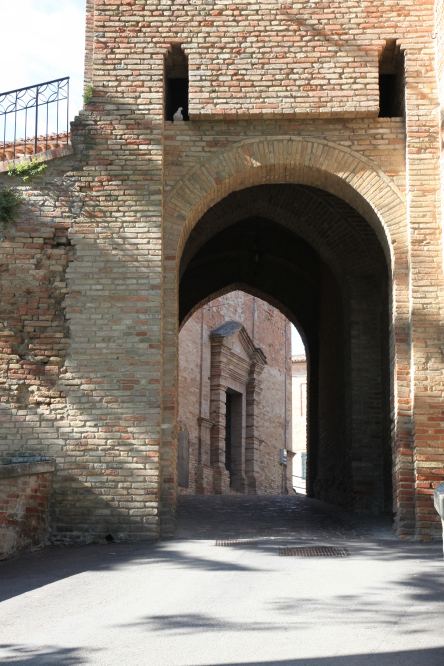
(45, 156)
(33, 466)
(298, 112)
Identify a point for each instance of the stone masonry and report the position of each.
(307, 175)
(250, 359)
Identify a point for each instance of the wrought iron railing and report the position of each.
(32, 109)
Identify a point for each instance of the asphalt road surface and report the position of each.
(188, 602)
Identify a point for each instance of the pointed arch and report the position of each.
(307, 161)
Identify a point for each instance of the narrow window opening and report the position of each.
(176, 83)
(392, 81)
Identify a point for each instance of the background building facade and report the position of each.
(234, 354)
(299, 420)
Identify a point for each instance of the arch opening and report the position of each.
(320, 263)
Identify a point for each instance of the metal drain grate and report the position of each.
(314, 551)
(238, 542)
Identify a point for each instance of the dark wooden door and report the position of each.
(228, 439)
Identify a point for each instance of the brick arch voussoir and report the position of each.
(315, 162)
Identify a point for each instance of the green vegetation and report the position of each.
(88, 94)
(26, 170)
(10, 200)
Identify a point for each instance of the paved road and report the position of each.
(187, 602)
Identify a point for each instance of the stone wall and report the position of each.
(265, 326)
(34, 333)
(25, 485)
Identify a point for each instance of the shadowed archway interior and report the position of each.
(318, 260)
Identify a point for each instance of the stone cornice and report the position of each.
(204, 423)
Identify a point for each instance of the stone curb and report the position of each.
(22, 468)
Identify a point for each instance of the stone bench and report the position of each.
(439, 504)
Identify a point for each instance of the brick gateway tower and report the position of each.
(306, 172)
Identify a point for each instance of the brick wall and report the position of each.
(259, 59)
(34, 333)
(265, 325)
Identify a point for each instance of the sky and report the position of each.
(45, 40)
(297, 346)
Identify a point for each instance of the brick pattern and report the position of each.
(24, 513)
(89, 44)
(256, 59)
(34, 335)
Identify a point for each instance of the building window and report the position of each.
(176, 83)
(392, 81)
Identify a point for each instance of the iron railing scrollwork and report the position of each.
(26, 110)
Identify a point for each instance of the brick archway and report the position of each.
(306, 161)
(278, 160)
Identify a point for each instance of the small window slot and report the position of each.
(392, 82)
(176, 83)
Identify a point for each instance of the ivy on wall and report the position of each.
(26, 170)
(87, 96)
(10, 200)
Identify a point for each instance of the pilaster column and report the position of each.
(423, 460)
(252, 441)
(204, 475)
(218, 396)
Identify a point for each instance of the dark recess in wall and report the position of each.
(176, 83)
(391, 82)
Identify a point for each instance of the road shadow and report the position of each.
(70, 656)
(426, 657)
(48, 656)
(301, 522)
(31, 571)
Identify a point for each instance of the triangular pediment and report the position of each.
(236, 338)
